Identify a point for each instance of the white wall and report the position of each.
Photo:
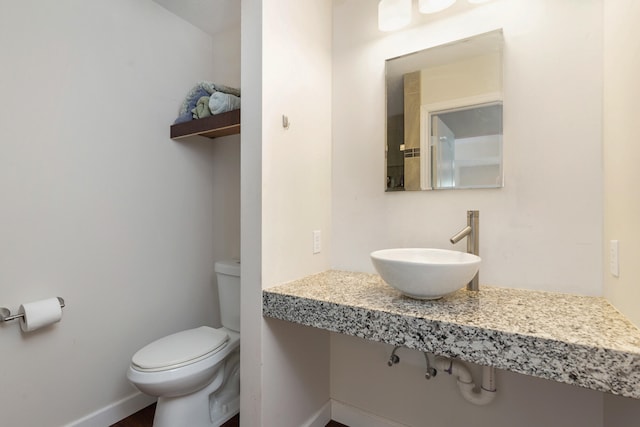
(543, 230)
(622, 153)
(296, 197)
(251, 214)
(296, 161)
(99, 206)
(621, 175)
(361, 378)
(286, 194)
(226, 56)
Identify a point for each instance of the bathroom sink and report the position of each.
(425, 273)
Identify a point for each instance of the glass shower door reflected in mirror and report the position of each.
(466, 147)
(443, 143)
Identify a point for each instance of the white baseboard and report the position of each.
(113, 413)
(354, 417)
(332, 410)
(320, 418)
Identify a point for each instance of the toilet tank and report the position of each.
(228, 273)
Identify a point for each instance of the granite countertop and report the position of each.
(577, 340)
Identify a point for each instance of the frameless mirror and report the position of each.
(444, 116)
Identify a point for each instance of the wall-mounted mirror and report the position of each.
(444, 116)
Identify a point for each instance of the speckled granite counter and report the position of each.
(572, 339)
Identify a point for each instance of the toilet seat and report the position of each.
(180, 349)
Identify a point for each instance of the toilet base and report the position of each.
(225, 402)
(209, 407)
(226, 412)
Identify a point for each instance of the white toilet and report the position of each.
(196, 373)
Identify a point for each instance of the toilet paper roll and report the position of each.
(38, 314)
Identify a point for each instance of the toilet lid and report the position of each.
(180, 348)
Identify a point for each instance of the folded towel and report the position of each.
(202, 108)
(204, 89)
(224, 89)
(221, 102)
(190, 103)
(184, 118)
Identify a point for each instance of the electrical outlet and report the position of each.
(614, 260)
(317, 241)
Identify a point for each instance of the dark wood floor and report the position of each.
(144, 418)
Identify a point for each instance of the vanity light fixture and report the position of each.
(393, 14)
(396, 14)
(433, 6)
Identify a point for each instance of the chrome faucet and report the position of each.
(471, 232)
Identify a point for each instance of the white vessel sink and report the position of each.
(425, 273)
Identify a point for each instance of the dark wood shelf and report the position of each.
(222, 124)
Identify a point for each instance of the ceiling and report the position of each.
(211, 16)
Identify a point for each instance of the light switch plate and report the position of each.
(317, 241)
(614, 259)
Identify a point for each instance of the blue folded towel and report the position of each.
(184, 118)
(198, 91)
(190, 102)
(221, 102)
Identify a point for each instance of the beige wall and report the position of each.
(99, 206)
(479, 75)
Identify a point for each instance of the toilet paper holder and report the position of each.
(5, 313)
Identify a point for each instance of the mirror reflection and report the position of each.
(466, 147)
(444, 116)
